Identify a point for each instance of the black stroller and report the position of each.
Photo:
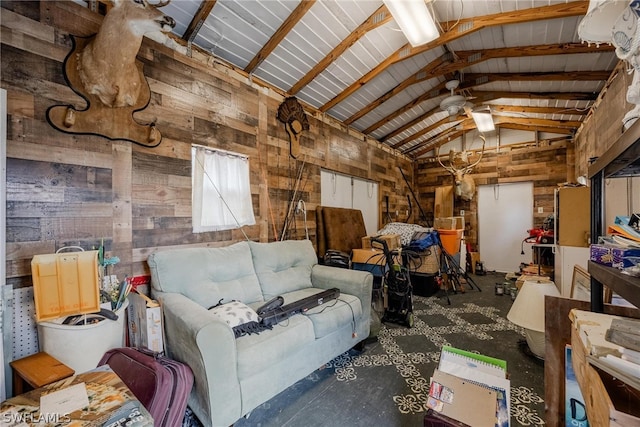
(397, 289)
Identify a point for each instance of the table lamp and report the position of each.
(527, 311)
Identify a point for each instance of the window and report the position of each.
(221, 194)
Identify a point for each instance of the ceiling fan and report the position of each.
(454, 103)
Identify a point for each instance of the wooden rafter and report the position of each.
(198, 19)
(483, 96)
(464, 28)
(430, 144)
(446, 64)
(563, 127)
(555, 76)
(378, 18)
(539, 110)
(280, 34)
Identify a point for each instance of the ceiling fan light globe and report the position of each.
(452, 104)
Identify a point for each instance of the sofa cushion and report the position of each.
(257, 353)
(335, 314)
(283, 267)
(207, 275)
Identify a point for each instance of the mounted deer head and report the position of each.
(107, 64)
(103, 69)
(465, 185)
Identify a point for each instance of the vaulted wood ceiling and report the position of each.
(348, 59)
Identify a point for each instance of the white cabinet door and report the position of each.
(566, 258)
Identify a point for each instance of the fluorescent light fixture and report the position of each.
(414, 20)
(483, 119)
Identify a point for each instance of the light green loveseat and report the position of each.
(234, 376)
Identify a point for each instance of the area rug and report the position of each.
(387, 383)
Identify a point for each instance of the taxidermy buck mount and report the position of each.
(103, 70)
(465, 186)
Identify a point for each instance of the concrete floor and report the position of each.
(386, 384)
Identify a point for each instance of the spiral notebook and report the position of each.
(486, 371)
(471, 362)
(462, 400)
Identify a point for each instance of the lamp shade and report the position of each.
(528, 308)
(597, 25)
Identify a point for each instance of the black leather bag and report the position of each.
(333, 258)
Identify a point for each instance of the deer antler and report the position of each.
(468, 168)
(450, 169)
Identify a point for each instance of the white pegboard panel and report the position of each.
(25, 330)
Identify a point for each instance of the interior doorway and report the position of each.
(505, 213)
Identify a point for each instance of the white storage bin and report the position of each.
(82, 346)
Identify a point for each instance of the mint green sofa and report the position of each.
(234, 376)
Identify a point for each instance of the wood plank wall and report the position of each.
(603, 125)
(67, 189)
(545, 164)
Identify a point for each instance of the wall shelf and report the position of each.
(624, 285)
(622, 159)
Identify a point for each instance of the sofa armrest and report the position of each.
(355, 282)
(208, 345)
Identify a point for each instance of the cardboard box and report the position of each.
(601, 254)
(449, 223)
(371, 260)
(392, 240)
(144, 317)
(612, 255)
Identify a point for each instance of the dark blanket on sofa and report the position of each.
(339, 229)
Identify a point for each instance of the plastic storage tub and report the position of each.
(82, 346)
(451, 240)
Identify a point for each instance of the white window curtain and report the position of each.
(221, 193)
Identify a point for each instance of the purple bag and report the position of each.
(161, 384)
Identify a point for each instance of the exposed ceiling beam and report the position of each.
(484, 96)
(447, 64)
(378, 18)
(198, 19)
(280, 34)
(518, 126)
(466, 126)
(426, 130)
(537, 123)
(496, 109)
(538, 110)
(481, 78)
(435, 142)
(463, 28)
